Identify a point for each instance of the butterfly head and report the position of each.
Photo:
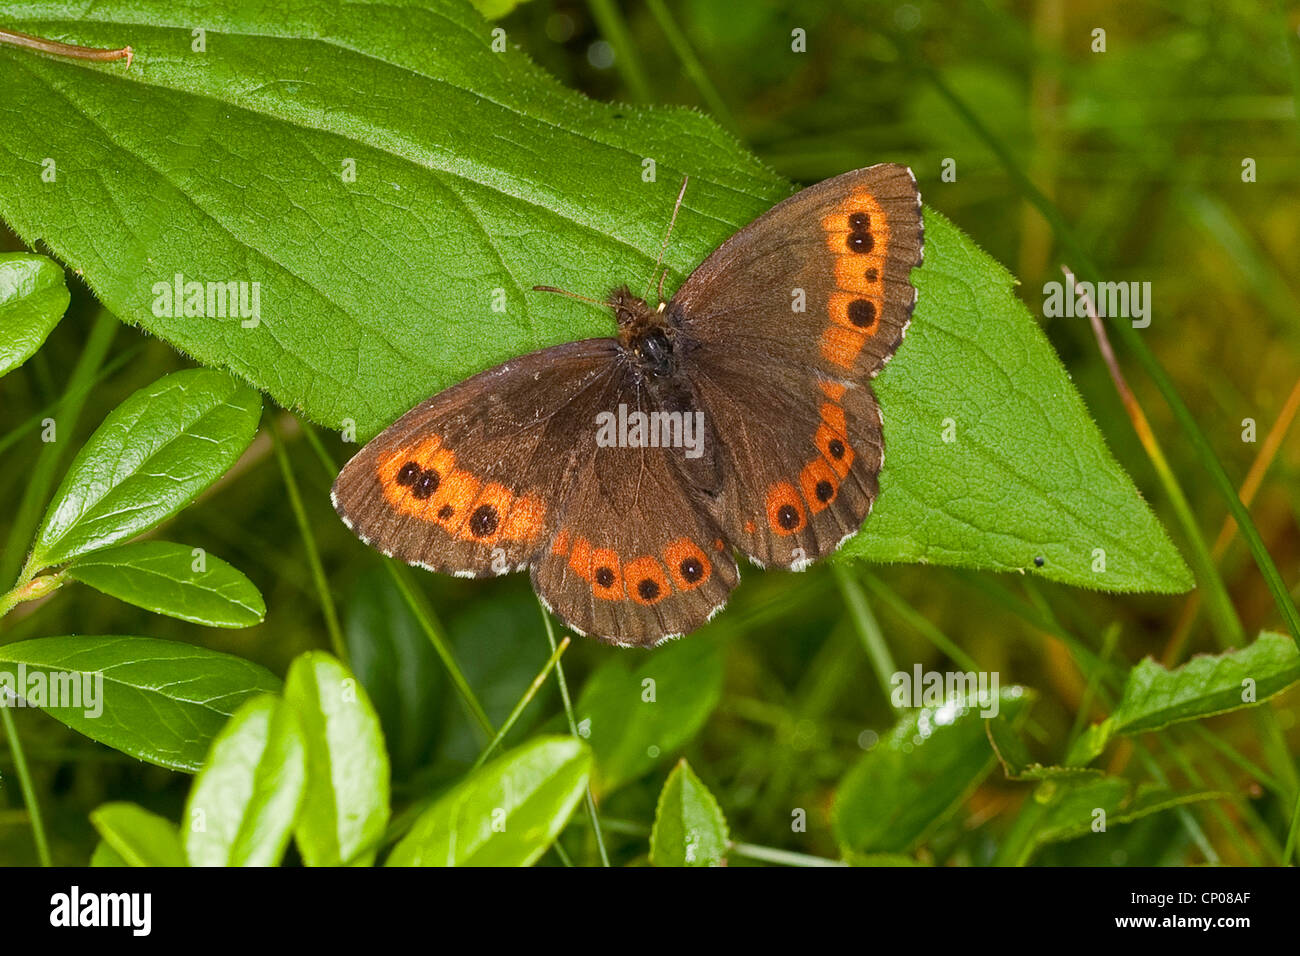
(644, 333)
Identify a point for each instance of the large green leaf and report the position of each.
(137, 836)
(149, 458)
(384, 219)
(504, 814)
(635, 717)
(160, 701)
(345, 808)
(917, 774)
(245, 800)
(689, 828)
(168, 578)
(33, 297)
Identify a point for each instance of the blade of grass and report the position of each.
(867, 627)
(920, 623)
(323, 594)
(25, 783)
(609, 20)
(42, 474)
(573, 729)
(691, 63)
(433, 630)
(103, 374)
(1186, 421)
(424, 614)
(1228, 625)
(523, 702)
(1268, 450)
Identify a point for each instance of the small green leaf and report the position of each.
(160, 701)
(1155, 697)
(1081, 807)
(33, 297)
(151, 457)
(1090, 744)
(917, 774)
(139, 837)
(633, 719)
(245, 800)
(345, 808)
(504, 814)
(160, 576)
(689, 828)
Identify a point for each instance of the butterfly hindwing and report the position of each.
(637, 557)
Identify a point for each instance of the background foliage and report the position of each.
(1131, 158)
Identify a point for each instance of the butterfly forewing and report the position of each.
(467, 482)
(788, 320)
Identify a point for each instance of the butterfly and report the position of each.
(624, 473)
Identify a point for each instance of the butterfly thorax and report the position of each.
(644, 333)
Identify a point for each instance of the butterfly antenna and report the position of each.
(664, 248)
(573, 295)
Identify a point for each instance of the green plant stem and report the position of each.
(30, 589)
(309, 544)
(25, 784)
(573, 729)
(867, 627)
(523, 702)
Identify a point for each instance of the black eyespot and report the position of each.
(1039, 561)
(426, 484)
(407, 475)
(859, 222)
(604, 577)
(860, 242)
(787, 517)
(862, 312)
(692, 570)
(483, 521)
(836, 448)
(446, 511)
(649, 590)
(825, 491)
(871, 275)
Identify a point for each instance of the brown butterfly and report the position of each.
(624, 472)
